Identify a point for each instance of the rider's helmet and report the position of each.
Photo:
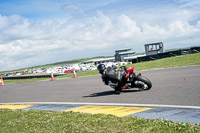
(101, 68)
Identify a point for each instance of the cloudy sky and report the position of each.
(36, 32)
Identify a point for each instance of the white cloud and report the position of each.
(24, 42)
(127, 27)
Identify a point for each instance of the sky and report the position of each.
(38, 32)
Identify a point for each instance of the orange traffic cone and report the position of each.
(1, 81)
(74, 73)
(52, 77)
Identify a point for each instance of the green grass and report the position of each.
(85, 73)
(56, 122)
(177, 61)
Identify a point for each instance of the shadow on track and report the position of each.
(104, 93)
(111, 92)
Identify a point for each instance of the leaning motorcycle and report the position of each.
(123, 78)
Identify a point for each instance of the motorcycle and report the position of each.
(123, 78)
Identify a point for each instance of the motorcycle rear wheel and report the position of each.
(145, 83)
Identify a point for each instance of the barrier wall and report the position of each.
(168, 54)
(30, 77)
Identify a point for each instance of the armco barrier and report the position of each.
(168, 54)
(30, 77)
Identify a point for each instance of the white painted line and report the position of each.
(111, 104)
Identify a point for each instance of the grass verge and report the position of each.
(177, 61)
(85, 73)
(53, 122)
(24, 80)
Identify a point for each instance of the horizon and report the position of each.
(53, 63)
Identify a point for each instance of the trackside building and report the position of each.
(122, 55)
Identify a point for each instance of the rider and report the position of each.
(112, 73)
(101, 68)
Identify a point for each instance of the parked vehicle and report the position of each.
(9, 74)
(123, 78)
(18, 73)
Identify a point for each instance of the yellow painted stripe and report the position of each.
(16, 106)
(119, 111)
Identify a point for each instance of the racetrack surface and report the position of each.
(173, 86)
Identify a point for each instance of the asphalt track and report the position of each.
(173, 87)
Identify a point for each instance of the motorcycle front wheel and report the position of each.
(143, 83)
